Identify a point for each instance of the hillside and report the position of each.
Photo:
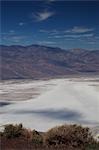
(35, 61)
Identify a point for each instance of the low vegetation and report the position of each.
(66, 137)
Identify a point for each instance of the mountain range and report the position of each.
(36, 62)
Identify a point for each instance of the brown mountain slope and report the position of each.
(34, 62)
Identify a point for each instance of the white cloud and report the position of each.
(21, 23)
(74, 30)
(58, 36)
(41, 16)
(90, 35)
(17, 38)
(51, 1)
(43, 31)
(79, 36)
(11, 31)
(47, 42)
(50, 32)
(79, 30)
(91, 42)
(14, 38)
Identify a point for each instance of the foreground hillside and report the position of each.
(34, 62)
(66, 137)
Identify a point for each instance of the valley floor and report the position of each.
(42, 104)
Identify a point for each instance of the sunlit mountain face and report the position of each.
(55, 23)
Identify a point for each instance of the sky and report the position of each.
(56, 23)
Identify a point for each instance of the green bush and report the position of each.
(12, 131)
(37, 137)
(92, 146)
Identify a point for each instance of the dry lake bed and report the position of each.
(42, 104)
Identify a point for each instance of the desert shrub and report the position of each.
(1, 134)
(66, 137)
(69, 135)
(11, 131)
(37, 137)
(92, 146)
(27, 134)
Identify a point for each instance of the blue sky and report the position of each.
(65, 24)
